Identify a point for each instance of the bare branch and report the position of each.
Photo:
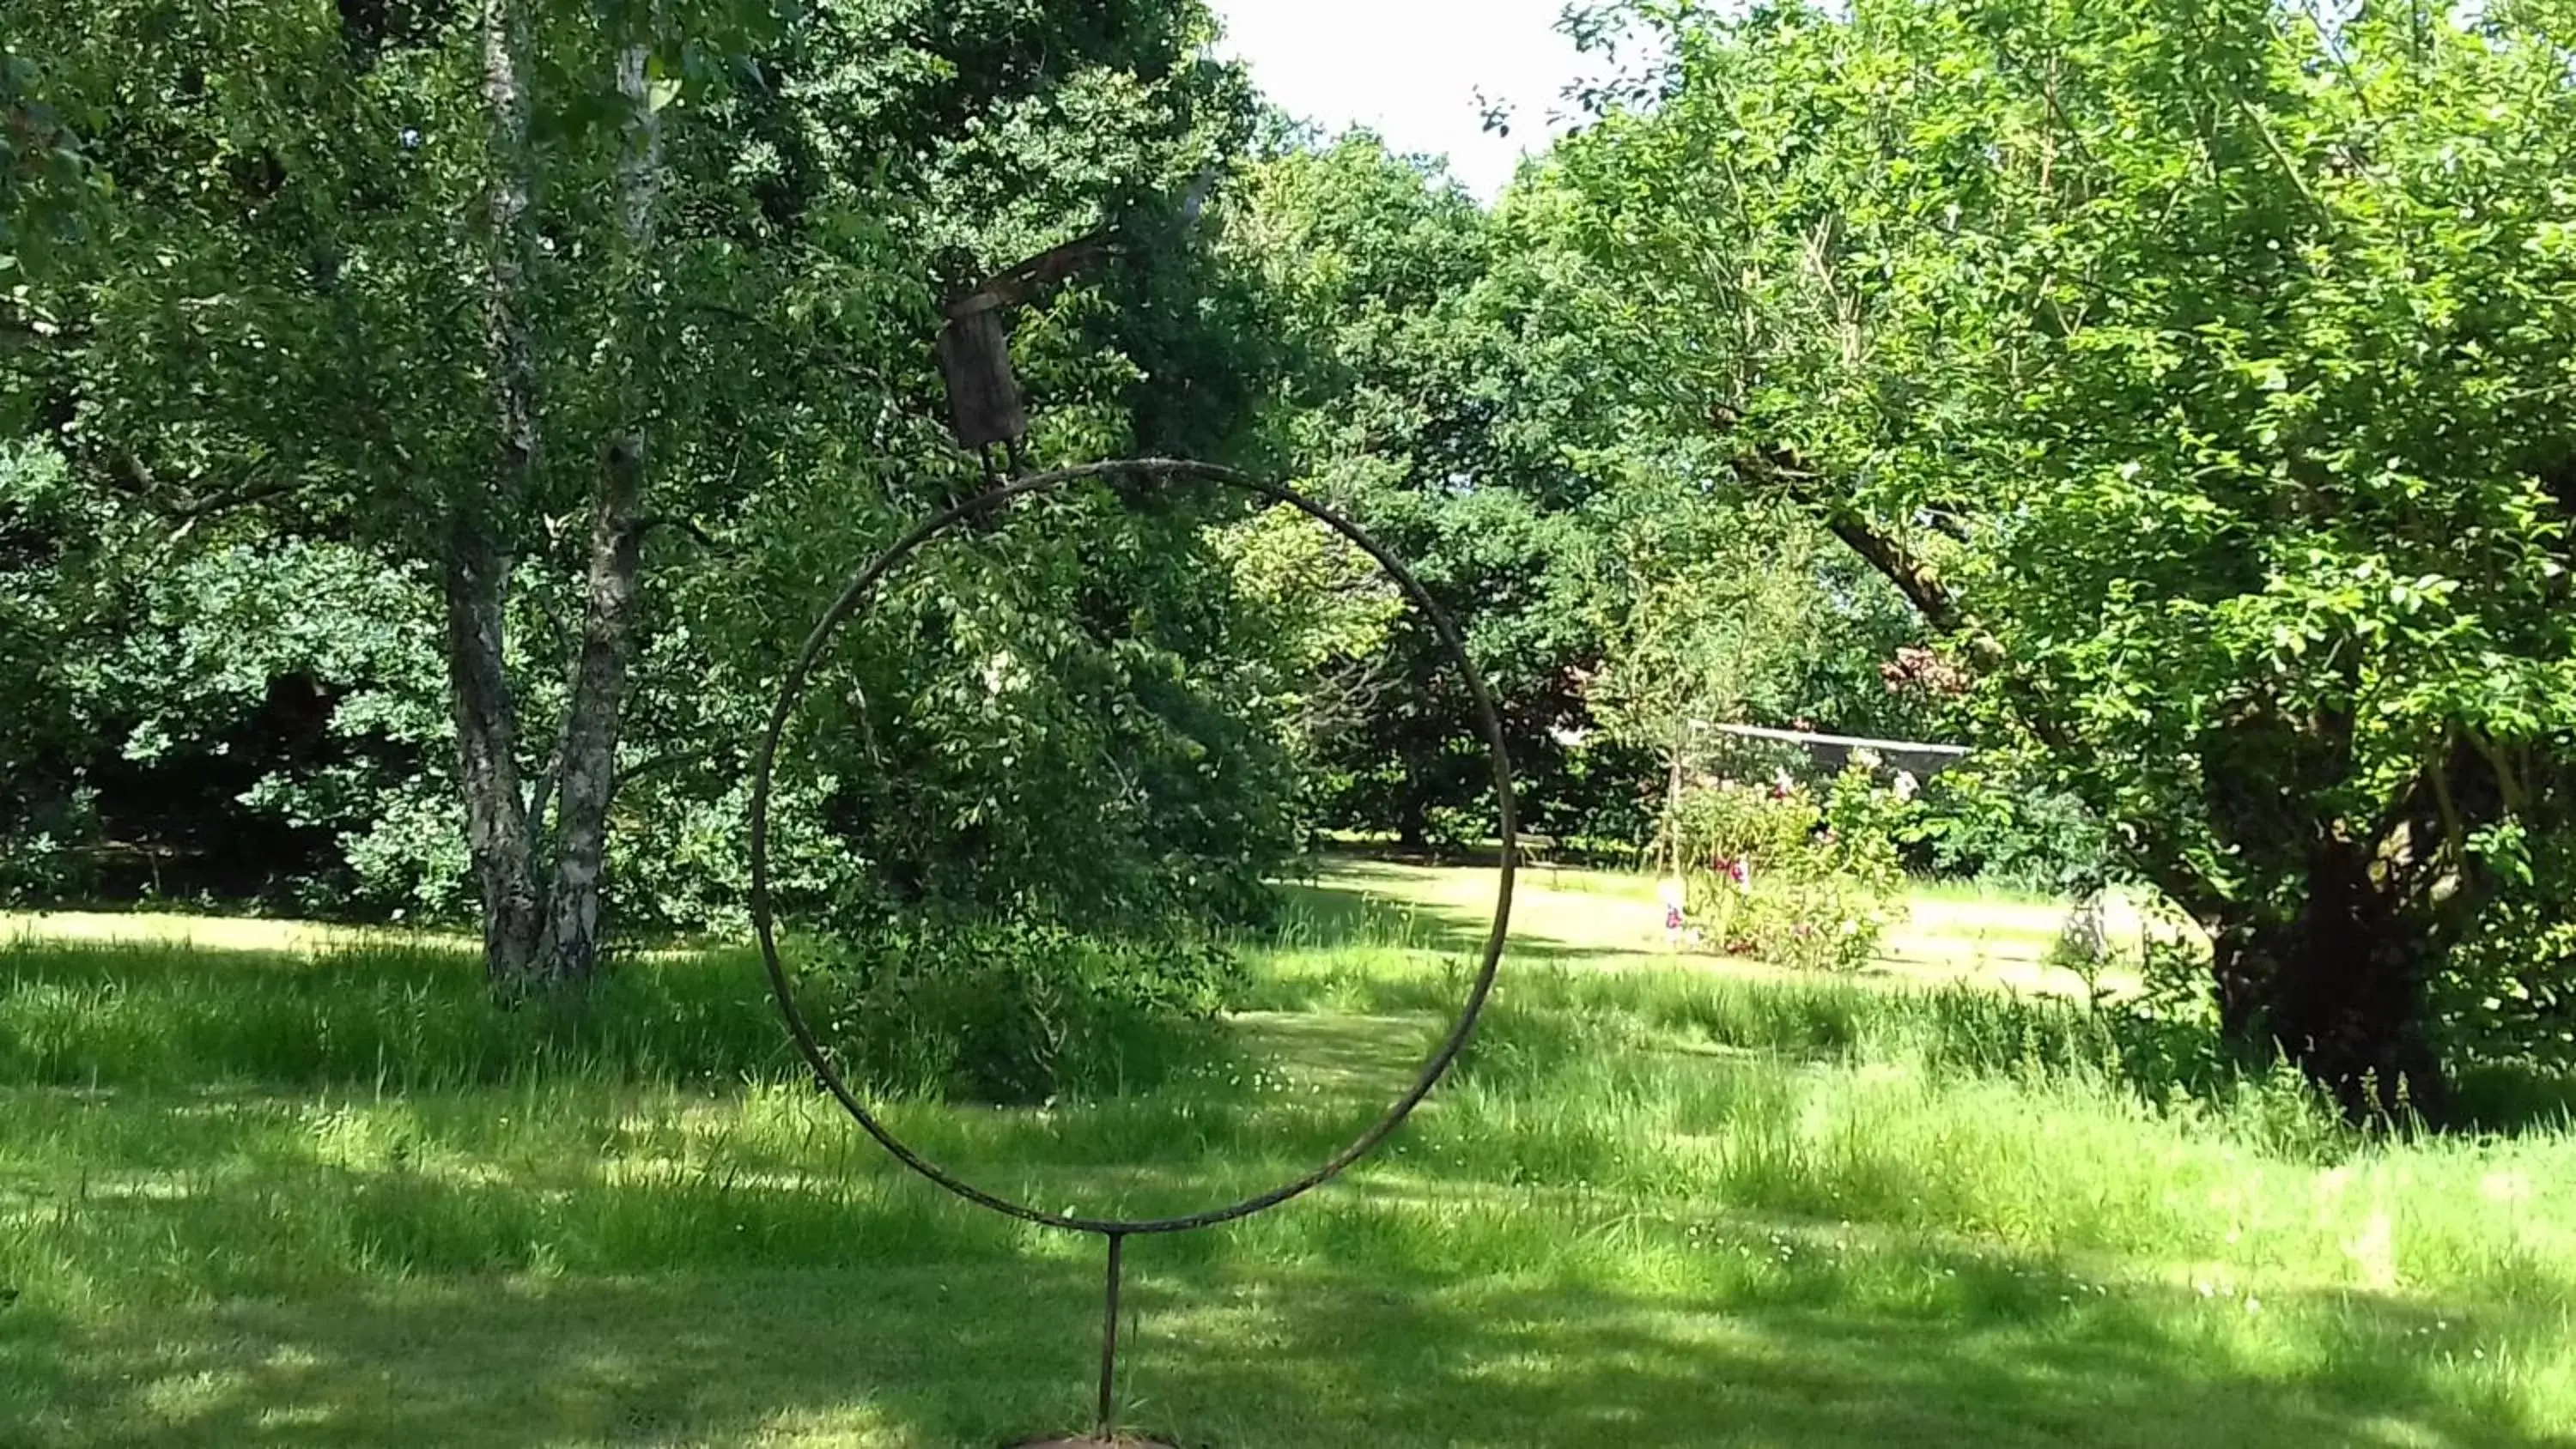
(127, 475)
(689, 526)
(1917, 580)
(242, 497)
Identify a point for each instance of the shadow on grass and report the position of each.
(1486, 1364)
(960, 1352)
(1346, 913)
(2516, 1097)
(1226, 1351)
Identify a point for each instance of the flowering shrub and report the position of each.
(1920, 671)
(1778, 874)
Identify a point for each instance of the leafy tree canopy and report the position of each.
(2198, 372)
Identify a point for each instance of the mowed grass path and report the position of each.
(317, 1192)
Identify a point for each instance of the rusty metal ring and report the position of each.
(792, 692)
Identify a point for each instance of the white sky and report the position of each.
(1410, 70)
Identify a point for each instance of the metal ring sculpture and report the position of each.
(792, 694)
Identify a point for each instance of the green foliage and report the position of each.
(1014, 1013)
(1706, 617)
(260, 396)
(2198, 372)
(249, 717)
(2193, 377)
(1045, 720)
(1409, 365)
(2508, 991)
(1993, 817)
(1319, 614)
(1039, 734)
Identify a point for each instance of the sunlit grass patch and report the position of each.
(336, 1196)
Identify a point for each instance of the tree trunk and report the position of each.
(591, 720)
(487, 737)
(598, 700)
(476, 562)
(508, 351)
(1413, 817)
(2339, 989)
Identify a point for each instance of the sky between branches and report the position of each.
(1411, 70)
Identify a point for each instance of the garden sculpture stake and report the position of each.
(989, 418)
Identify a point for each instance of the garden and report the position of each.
(1994, 582)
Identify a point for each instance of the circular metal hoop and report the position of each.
(791, 694)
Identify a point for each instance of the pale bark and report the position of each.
(509, 245)
(477, 562)
(496, 828)
(599, 685)
(591, 721)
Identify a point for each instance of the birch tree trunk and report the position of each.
(598, 697)
(477, 562)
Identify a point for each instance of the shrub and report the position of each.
(1011, 1013)
(1993, 818)
(2507, 992)
(1781, 875)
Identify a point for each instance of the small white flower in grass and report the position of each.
(2253, 1304)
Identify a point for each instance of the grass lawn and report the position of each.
(266, 1186)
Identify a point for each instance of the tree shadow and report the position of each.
(1509, 1363)
(1229, 1349)
(2513, 1098)
(1345, 913)
(965, 1352)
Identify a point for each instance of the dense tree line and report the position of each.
(432, 426)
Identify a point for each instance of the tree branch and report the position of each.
(665, 764)
(127, 475)
(1939, 607)
(1918, 581)
(689, 526)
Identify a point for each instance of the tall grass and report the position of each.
(394, 1018)
(1652, 1206)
